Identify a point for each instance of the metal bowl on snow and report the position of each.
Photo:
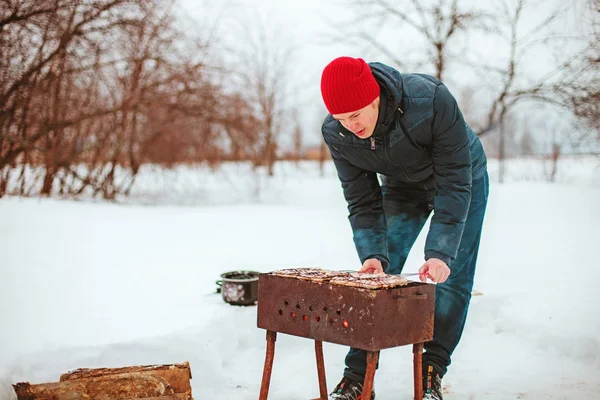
(239, 288)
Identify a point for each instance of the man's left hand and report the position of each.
(435, 269)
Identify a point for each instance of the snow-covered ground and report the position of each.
(92, 284)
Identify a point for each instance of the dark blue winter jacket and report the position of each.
(422, 143)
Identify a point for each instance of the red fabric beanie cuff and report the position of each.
(347, 85)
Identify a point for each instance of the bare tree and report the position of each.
(580, 92)
(91, 88)
(511, 79)
(571, 83)
(240, 126)
(437, 23)
(38, 41)
(263, 66)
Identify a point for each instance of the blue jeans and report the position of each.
(406, 214)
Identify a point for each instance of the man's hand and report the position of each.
(372, 266)
(435, 269)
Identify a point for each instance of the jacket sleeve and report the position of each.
(452, 171)
(367, 219)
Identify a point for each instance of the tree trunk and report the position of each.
(555, 157)
(4, 175)
(48, 180)
(501, 152)
(270, 153)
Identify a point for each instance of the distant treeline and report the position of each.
(110, 84)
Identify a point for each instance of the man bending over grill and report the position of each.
(408, 129)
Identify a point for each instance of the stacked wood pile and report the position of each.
(146, 382)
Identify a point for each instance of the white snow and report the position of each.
(92, 284)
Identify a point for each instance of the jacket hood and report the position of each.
(391, 84)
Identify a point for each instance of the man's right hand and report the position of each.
(372, 266)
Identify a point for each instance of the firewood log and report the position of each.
(151, 382)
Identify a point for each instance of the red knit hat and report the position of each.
(347, 84)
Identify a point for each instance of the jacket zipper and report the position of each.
(372, 143)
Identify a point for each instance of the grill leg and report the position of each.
(418, 370)
(266, 378)
(372, 357)
(321, 370)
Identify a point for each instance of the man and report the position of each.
(408, 129)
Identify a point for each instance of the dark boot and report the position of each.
(432, 383)
(348, 389)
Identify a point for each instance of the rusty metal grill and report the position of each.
(362, 318)
(367, 319)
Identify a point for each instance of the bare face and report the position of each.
(361, 122)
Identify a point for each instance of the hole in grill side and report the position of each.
(280, 312)
(286, 303)
(298, 305)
